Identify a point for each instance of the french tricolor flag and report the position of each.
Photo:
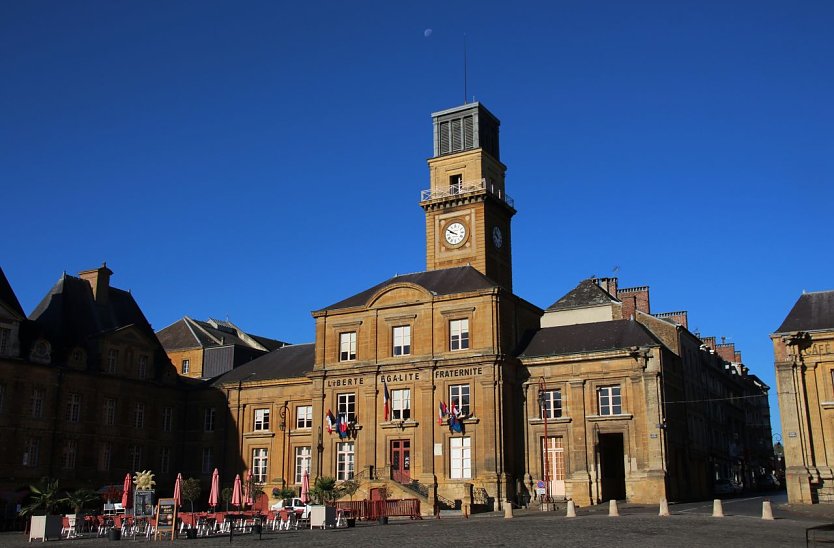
(441, 412)
(386, 398)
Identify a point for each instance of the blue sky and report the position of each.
(259, 160)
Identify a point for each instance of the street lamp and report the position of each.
(545, 446)
(282, 425)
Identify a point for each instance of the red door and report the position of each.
(401, 461)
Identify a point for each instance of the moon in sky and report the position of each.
(427, 33)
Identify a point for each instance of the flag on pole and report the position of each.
(386, 400)
(331, 421)
(441, 412)
(343, 426)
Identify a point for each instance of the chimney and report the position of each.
(99, 280)
(608, 284)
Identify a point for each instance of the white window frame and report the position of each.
(346, 405)
(260, 464)
(552, 404)
(5, 338)
(31, 452)
(460, 457)
(70, 454)
(345, 460)
(459, 334)
(143, 367)
(401, 336)
(74, 408)
(164, 460)
(112, 360)
(610, 400)
(139, 416)
(37, 402)
(347, 346)
(109, 411)
(304, 417)
(167, 419)
(135, 454)
(303, 459)
(105, 457)
(460, 394)
(186, 367)
(401, 404)
(207, 460)
(209, 416)
(262, 419)
(2, 396)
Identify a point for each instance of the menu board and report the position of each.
(166, 517)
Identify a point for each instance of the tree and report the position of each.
(325, 490)
(43, 498)
(191, 490)
(283, 493)
(226, 496)
(79, 498)
(349, 488)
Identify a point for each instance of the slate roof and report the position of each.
(812, 312)
(287, 362)
(586, 294)
(447, 281)
(190, 333)
(587, 337)
(8, 298)
(68, 315)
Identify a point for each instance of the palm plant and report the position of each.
(43, 498)
(325, 490)
(79, 498)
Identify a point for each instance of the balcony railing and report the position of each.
(467, 187)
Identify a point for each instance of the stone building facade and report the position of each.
(803, 348)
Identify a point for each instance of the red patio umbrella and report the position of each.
(236, 492)
(126, 502)
(214, 495)
(178, 491)
(305, 487)
(248, 491)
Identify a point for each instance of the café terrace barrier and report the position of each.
(375, 509)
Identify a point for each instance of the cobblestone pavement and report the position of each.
(636, 526)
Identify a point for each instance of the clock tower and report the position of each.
(467, 210)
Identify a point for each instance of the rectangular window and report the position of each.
(112, 360)
(37, 402)
(304, 416)
(208, 460)
(139, 416)
(208, 419)
(186, 367)
(70, 454)
(109, 412)
(347, 346)
(143, 367)
(261, 419)
(167, 419)
(165, 460)
(259, 465)
(551, 404)
(402, 340)
(135, 457)
(5, 340)
(347, 406)
(459, 398)
(610, 402)
(460, 458)
(401, 404)
(2, 397)
(31, 452)
(302, 462)
(105, 456)
(459, 334)
(344, 461)
(74, 408)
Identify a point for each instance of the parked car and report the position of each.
(293, 503)
(723, 487)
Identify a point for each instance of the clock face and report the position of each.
(455, 233)
(497, 237)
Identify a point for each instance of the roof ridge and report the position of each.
(201, 328)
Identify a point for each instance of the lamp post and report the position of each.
(283, 426)
(239, 425)
(545, 445)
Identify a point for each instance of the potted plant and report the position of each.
(42, 507)
(349, 488)
(383, 496)
(77, 500)
(191, 490)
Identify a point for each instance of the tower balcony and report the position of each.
(465, 188)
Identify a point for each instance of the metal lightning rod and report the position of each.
(465, 93)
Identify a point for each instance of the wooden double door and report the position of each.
(401, 461)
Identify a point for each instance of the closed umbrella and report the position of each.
(236, 492)
(126, 502)
(249, 486)
(214, 495)
(178, 491)
(305, 487)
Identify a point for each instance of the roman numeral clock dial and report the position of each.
(455, 233)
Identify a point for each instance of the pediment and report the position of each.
(399, 294)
